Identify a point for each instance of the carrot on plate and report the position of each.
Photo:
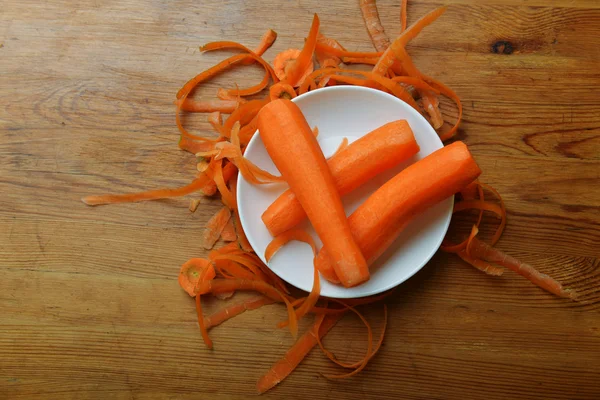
(296, 153)
(380, 219)
(376, 152)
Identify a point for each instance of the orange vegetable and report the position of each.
(282, 368)
(341, 147)
(206, 106)
(281, 90)
(378, 151)
(403, 7)
(380, 219)
(302, 65)
(293, 148)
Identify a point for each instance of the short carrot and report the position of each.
(381, 218)
(378, 151)
(296, 153)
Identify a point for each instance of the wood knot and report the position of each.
(502, 47)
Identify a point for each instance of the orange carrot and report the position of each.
(228, 234)
(326, 60)
(352, 167)
(196, 185)
(194, 271)
(214, 227)
(282, 368)
(265, 42)
(194, 146)
(480, 264)
(325, 48)
(380, 219)
(373, 24)
(294, 150)
(482, 250)
(229, 171)
(360, 60)
(231, 311)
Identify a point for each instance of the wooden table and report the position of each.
(90, 307)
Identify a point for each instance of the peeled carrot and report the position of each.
(295, 151)
(378, 151)
(282, 368)
(380, 219)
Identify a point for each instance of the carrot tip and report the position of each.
(89, 200)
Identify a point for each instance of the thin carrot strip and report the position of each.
(194, 146)
(359, 60)
(214, 227)
(297, 69)
(367, 357)
(227, 285)
(234, 310)
(403, 16)
(224, 45)
(228, 234)
(281, 240)
(196, 185)
(480, 264)
(292, 358)
(415, 82)
(373, 24)
(389, 56)
(243, 115)
(207, 106)
(281, 90)
(203, 330)
(251, 90)
(327, 60)
(266, 42)
(357, 364)
(229, 171)
(488, 253)
(247, 131)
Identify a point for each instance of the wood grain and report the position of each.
(89, 303)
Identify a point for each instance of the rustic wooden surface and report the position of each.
(89, 303)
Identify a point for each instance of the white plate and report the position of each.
(352, 112)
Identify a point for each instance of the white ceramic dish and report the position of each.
(338, 112)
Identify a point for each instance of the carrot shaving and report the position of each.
(373, 24)
(194, 203)
(233, 310)
(196, 185)
(214, 227)
(403, 7)
(228, 234)
(194, 271)
(203, 330)
(357, 364)
(207, 106)
(302, 65)
(286, 237)
(281, 90)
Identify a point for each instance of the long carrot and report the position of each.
(295, 151)
(381, 218)
(282, 368)
(378, 151)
